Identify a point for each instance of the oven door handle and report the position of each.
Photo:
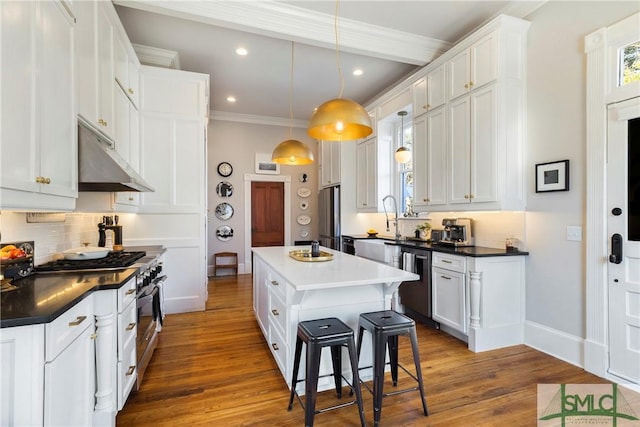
(158, 280)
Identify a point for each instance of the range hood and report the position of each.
(100, 167)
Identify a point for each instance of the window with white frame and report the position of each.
(629, 58)
(403, 138)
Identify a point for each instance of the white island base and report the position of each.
(287, 291)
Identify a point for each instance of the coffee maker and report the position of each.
(457, 232)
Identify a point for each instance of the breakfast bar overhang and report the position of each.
(287, 291)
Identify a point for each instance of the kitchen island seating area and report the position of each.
(316, 335)
(385, 327)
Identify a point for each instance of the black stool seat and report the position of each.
(317, 334)
(385, 327)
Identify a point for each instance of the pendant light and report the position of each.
(403, 154)
(292, 151)
(339, 119)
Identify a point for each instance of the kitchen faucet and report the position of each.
(395, 205)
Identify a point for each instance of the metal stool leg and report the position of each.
(336, 359)
(379, 352)
(392, 342)
(416, 360)
(296, 366)
(356, 380)
(311, 382)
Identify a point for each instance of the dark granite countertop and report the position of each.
(472, 251)
(42, 297)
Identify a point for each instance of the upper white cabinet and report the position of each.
(366, 176)
(39, 149)
(329, 163)
(474, 67)
(95, 64)
(430, 158)
(473, 174)
(429, 91)
(126, 67)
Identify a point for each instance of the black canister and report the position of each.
(315, 248)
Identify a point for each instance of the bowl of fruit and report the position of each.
(12, 253)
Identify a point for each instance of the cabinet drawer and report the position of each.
(276, 284)
(127, 373)
(277, 312)
(279, 348)
(450, 262)
(126, 294)
(62, 331)
(127, 327)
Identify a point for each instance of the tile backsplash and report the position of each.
(51, 238)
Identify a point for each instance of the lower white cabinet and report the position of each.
(449, 291)
(21, 375)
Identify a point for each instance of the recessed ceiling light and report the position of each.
(357, 72)
(242, 51)
(231, 99)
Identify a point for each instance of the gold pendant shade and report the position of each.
(292, 152)
(339, 119)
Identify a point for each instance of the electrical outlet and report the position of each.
(574, 233)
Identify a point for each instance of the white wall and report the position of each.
(556, 131)
(237, 143)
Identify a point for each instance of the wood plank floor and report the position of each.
(214, 368)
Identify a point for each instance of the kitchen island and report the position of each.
(287, 291)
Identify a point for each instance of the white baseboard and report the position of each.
(183, 305)
(556, 343)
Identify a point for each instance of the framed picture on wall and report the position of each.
(264, 164)
(552, 176)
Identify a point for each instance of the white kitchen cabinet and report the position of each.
(129, 200)
(69, 369)
(473, 67)
(473, 155)
(95, 64)
(429, 91)
(126, 67)
(330, 162)
(39, 150)
(449, 291)
(430, 158)
(22, 375)
(366, 176)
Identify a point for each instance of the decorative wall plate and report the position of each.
(304, 219)
(224, 233)
(304, 233)
(303, 177)
(304, 192)
(304, 205)
(224, 211)
(224, 189)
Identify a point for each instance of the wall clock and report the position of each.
(225, 169)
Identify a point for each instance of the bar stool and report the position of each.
(385, 327)
(317, 334)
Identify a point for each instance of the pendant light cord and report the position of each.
(338, 49)
(291, 95)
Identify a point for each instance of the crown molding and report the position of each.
(226, 116)
(149, 55)
(288, 22)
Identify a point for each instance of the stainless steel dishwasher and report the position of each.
(416, 297)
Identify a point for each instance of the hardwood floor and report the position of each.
(214, 368)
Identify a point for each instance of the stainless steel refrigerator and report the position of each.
(329, 217)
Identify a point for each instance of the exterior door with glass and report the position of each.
(623, 204)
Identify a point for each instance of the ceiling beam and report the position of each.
(278, 20)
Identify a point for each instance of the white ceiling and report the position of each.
(387, 39)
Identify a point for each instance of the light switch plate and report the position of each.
(574, 233)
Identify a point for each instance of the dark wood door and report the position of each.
(267, 214)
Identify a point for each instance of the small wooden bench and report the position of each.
(221, 261)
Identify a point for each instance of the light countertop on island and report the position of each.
(343, 269)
